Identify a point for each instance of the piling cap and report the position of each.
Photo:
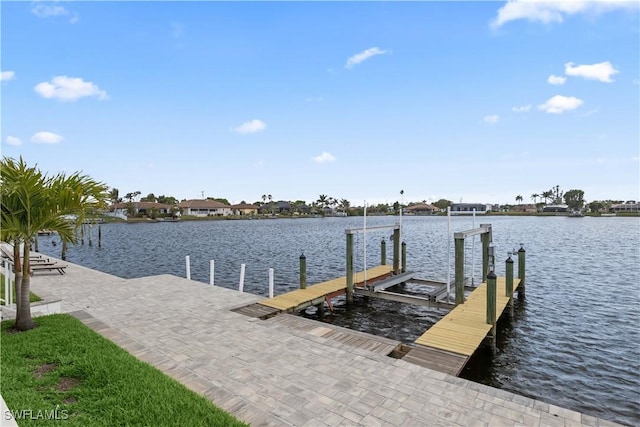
(521, 249)
(492, 275)
(509, 260)
(302, 256)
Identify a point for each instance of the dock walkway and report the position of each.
(315, 294)
(448, 345)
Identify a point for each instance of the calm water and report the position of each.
(574, 341)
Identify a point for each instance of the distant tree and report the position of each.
(442, 204)
(344, 205)
(153, 213)
(148, 198)
(396, 207)
(131, 196)
(131, 209)
(519, 198)
(167, 200)
(219, 199)
(113, 196)
(534, 197)
(596, 206)
(323, 200)
(574, 199)
(557, 194)
(546, 195)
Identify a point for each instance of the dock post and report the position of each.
(271, 272)
(486, 243)
(404, 257)
(521, 271)
(383, 252)
(303, 271)
(320, 310)
(509, 282)
(459, 270)
(241, 284)
(99, 236)
(396, 251)
(212, 270)
(187, 261)
(63, 254)
(491, 306)
(349, 268)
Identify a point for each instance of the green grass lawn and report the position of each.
(62, 368)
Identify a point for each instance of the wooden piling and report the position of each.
(63, 255)
(90, 235)
(509, 282)
(404, 257)
(349, 268)
(320, 310)
(99, 236)
(491, 307)
(396, 251)
(303, 271)
(521, 271)
(486, 243)
(383, 252)
(459, 270)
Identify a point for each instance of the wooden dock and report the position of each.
(459, 334)
(300, 299)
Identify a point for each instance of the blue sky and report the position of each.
(471, 101)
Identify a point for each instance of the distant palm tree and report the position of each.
(345, 204)
(534, 197)
(547, 195)
(518, 198)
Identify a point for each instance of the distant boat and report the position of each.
(576, 214)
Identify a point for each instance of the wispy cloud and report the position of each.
(559, 104)
(325, 157)
(250, 127)
(522, 108)
(7, 75)
(601, 72)
(66, 88)
(492, 119)
(363, 56)
(12, 140)
(555, 11)
(48, 11)
(45, 137)
(556, 80)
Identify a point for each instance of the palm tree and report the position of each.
(534, 197)
(518, 198)
(547, 195)
(31, 201)
(345, 204)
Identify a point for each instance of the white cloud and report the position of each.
(325, 157)
(556, 80)
(12, 140)
(45, 137)
(494, 118)
(601, 72)
(522, 108)
(47, 11)
(250, 127)
(554, 11)
(559, 104)
(363, 56)
(7, 75)
(69, 89)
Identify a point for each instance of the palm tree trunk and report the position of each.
(17, 271)
(24, 322)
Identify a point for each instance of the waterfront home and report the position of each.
(207, 207)
(244, 209)
(556, 208)
(142, 208)
(421, 209)
(527, 208)
(629, 206)
(467, 208)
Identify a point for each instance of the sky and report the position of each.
(476, 102)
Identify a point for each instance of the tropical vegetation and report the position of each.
(33, 201)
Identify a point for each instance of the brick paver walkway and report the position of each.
(267, 373)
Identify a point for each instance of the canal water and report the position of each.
(574, 340)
